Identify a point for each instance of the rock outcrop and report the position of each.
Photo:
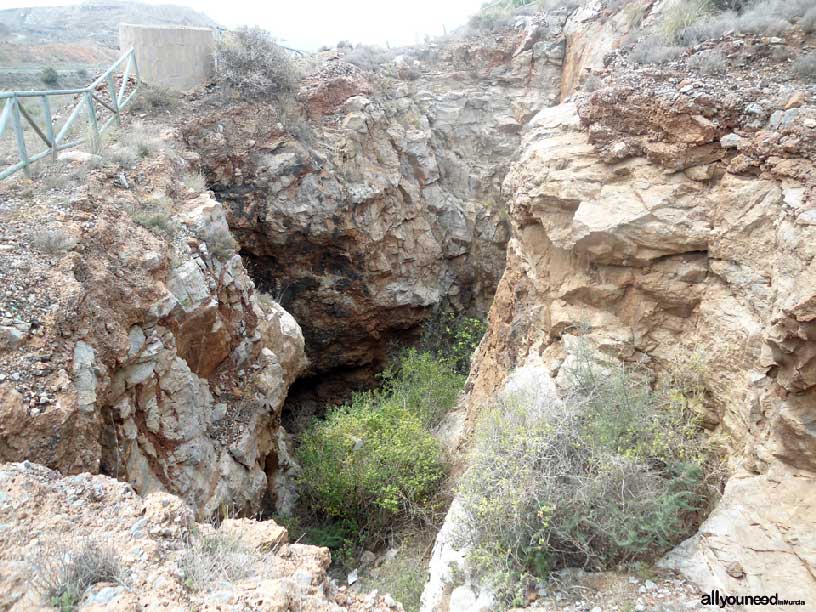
(384, 200)
(672, 217)
(142, 355)
(662, 216)
(152, 542)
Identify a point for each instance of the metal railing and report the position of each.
(87, 99)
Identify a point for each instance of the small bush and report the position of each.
(153, 98)
(126, 148)
(368, 57)
(156, 217)
(215, 558)
(426, 384)
(65, 570)
(808, 21)
(49, 76)
(635, 12)
(592, 83)
(614, 473)
(453, 337)
(142, 143)
(403, 577)
(762, 24)
(53, 241)
(250, 62)
(369, 462)
(708, 62)
(195, 181)
(654, 51)
(82, 73)
(680, 14)
(374, 463)
(805, 66)
(220, 242)
(502, 13)
(765, 18)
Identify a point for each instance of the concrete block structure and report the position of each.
(180, 58)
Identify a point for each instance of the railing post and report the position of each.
(95, 145)
(136, 69)
(18, 133)
(114, 101)
(12, 114)
(125, 77)
(5, 115)
(49, 128)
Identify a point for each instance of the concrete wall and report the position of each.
(180, 58)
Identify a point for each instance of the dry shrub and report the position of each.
(195, 181)
(220, 242)
(655, 51)
(65, 569)
(763, 17)
(53, 241)
(805, 66)
(156, 216)
(250, 62)
(217, 558)
(153, 98)
(708, 62)
(368, 57)
(613, 473)
(680, 14)
(128, 146)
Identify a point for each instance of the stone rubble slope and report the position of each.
(140, 356)
(151, 535)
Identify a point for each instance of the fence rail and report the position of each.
(96, 99)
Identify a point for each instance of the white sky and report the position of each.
(307, 24)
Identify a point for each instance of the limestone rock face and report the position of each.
(659, 264)
(160, 366)
(385, 199)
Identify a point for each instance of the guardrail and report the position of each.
(89, 97)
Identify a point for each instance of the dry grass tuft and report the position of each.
(64, 570)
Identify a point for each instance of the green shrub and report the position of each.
(453, 336)
(374, 463)
(614, 473)
(49, 76)
(369, 462)
(426, 385)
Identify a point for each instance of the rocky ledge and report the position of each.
(135, 345)
(153, 541)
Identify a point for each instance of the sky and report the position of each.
(307, 24)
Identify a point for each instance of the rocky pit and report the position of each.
(668, 211)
